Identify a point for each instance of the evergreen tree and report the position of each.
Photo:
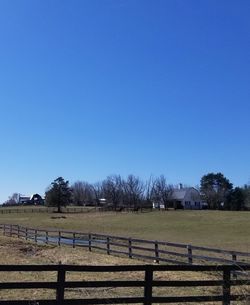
(235, 200)
(58, 194)
(214, 189)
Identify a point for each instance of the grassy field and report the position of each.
(206, 228)
(220, 229)
(16, 251)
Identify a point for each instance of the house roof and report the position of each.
(24, 197)
(179, 194)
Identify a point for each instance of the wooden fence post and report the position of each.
(156, 252)
(4, 230)
(226, 286)
(18, 231)
(90, 241)
(130, 255)
(148, 285)
(108, 246)
(234, 259)
(190, 256)
(10, 230)
(59, 238)
(47, 237)
(26, 233)
(60, 284)
(74, 240)
(36, 236)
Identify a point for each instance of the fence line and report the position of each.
(223, 279)
(71, 209)
(150, 250)
(49, 210)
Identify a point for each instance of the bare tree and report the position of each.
(133, 188)
(149, 188)
(97, 192)
(112, 189)
(82, 193)
(162, 191)
(13, 199)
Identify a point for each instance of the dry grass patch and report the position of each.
(16, 251)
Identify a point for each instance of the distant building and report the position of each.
(102, 201)
(35, 199)
(158, 205)
(187, 198)
(23, 199)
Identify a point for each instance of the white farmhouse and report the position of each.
(186, 198)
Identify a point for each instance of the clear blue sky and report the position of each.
(92, 88)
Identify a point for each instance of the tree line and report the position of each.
(133, 192)
(114, 191)
(219, 193)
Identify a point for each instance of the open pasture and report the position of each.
(219, 229)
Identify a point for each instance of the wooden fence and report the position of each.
(148, 283)
(48, 210)
(78, 209)
(149, 250)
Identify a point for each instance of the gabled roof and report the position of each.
(179, 194)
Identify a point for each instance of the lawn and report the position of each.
(220, 229)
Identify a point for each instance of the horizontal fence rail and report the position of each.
(222, 279)
(149, 250)
(87, 209)
(37, 209)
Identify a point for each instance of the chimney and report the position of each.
(180, 186)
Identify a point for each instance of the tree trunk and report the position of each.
(59, 208)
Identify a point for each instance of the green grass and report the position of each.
(220, 229)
